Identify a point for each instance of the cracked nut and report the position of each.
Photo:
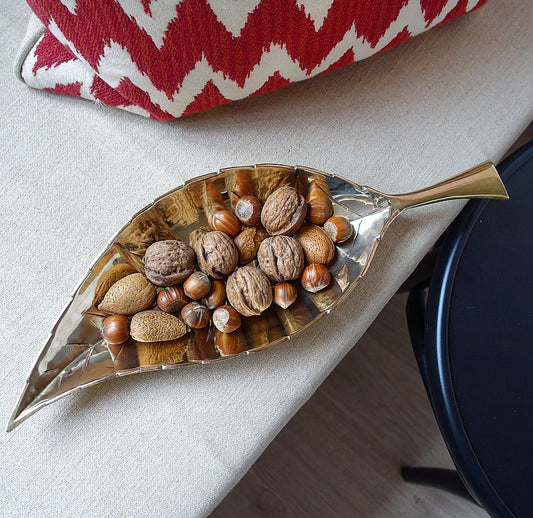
(281, 258)
(283, 212)
(171, 299)
(247, 242)
(168, 262)
(315, 277)
(249, 291)
(317, 245)
(216, 254)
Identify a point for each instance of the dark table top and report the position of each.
(479, 343)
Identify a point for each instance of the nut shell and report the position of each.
(283, 212)
(156, 326)
(248, 210)
(197, 285)
(195, 315)
(216, 296)
(216, 254)
(168, 262)
(316, 244)
(338, 228)
(108, 278)
(129, 295)
(249, 291)
(319, 210)
(226, 319)
(315, 277)
(116, 329)
(171, 299)
(248, 241)
(226, 222)
(285, 294)
(281, 258)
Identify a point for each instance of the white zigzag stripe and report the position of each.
(63, 74)
(317, 10)
(234, 16)
(116, 63)
(163, 13)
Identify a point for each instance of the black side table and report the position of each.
(473, 338)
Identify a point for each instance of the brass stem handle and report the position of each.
(482, 181)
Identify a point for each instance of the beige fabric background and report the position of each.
(173, 443)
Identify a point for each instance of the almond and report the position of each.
(129, 295)
(108, 278)
(317, 245)
(156, 326)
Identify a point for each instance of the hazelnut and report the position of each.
(216, 254)
(319, 204)
(283, 212)
(249, 291)
(168, 262)
(195, 315)
(116, 329)
(248, 241)
(338, 228)
(216, 295)
(197, 285)
(226, 319)
(248, 210)
(281, 258)
(226, 222)
(171, 299)
(317, 245)
(315, 278)
(319, 210)
(285, 294)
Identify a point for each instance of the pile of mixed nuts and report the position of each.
(192, 285)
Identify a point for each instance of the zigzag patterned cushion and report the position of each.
(169, 58)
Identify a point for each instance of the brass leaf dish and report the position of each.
(76, 356)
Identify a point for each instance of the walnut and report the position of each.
(283, 212)
(281, 258)
(247, 242)
(216, 254)
(249, 291)
(168, 262)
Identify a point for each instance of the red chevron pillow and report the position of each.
(168, 58)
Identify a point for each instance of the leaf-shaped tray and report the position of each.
(76, 356)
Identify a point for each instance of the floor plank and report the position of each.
(341, 454)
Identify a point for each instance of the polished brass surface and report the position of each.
(76, 356)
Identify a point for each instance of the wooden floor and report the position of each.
(340, 456)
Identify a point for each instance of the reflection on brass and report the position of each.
(202, 345)
(162, 353)
(75, 355)
(228, 344)
(124, 355)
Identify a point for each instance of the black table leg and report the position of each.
(446, 479)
